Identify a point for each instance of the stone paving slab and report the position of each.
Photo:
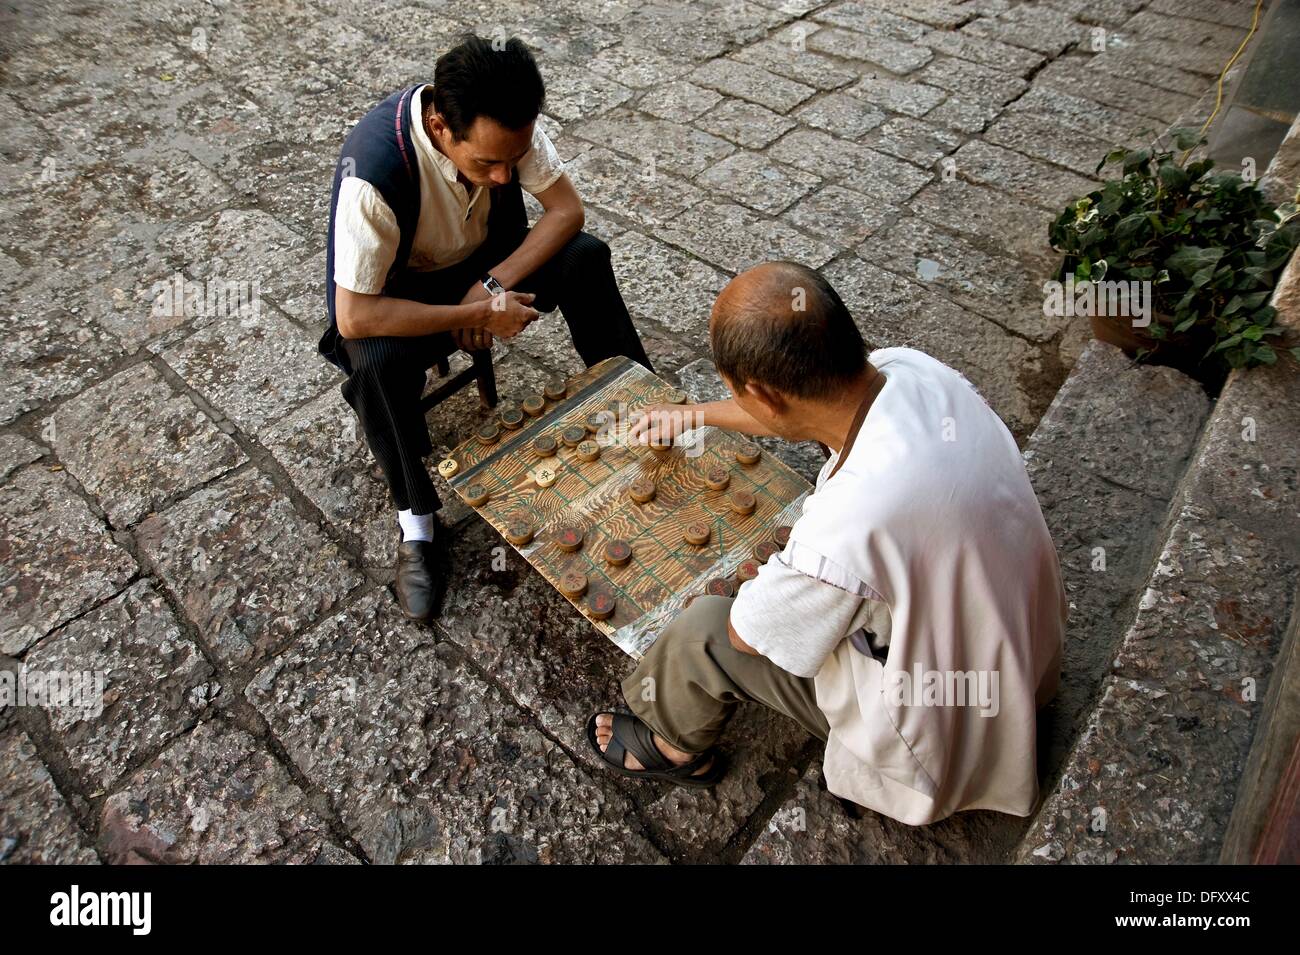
(36, 826)
(214, 796)
(156, 683)
(734, 238)
(134, 443)
(248, 571)
(425, 762)
(58, 557)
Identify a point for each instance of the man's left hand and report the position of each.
(471, 339)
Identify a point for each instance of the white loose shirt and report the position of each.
(930, 540)
(453, 219)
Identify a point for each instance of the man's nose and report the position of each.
(501, 175)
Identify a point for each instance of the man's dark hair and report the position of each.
(787, 328)
(481, 77)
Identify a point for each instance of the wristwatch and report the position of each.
(493, 287)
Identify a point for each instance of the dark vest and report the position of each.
(380, 150)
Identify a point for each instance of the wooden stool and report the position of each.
(480, 371)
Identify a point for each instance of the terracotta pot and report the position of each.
(1185, 354)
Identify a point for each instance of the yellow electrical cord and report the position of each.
(1218, 99)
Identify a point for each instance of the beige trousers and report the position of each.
(687, 686)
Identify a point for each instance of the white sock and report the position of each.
(415, 527)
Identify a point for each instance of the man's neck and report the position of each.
(832, 421)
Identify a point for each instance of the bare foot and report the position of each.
(605, 732)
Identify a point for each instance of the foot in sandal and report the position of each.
(628, 746)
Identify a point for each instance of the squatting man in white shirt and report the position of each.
(914, 621)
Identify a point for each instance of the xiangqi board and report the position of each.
(627, 533)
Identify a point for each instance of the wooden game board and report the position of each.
(664, 571)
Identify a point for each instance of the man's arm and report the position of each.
(371, 316)
(662, 422)
(562, 218)
(738, 643)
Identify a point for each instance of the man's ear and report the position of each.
(770, 398)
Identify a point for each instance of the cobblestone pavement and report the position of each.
(186, 506)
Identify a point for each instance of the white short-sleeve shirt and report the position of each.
(453, 219)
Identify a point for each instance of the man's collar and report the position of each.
(424, 146)
(873, 389)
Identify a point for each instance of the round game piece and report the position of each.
(747, 570)
(519, 532)
(677, 397)
(782, 536)
(742, 502)
(555, 389)
(447, 467)
(763, 550)
(642, 490)
(544, 445)
(618, 552)
(720, 587)
(697, 533)
(534, 405)
(573, 584)
(569, 539)
(748, 453)
(598, 420)
(661, 447)
(717, 479)
(489, 433)
(588, 450)
(545, 477)
(600, 605)
(512, 418)
(476, 494)
(573, 436)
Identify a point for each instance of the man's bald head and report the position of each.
(782, 325)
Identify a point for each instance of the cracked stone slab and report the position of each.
(664, 285)
(677, 102)
(914, 140)
(134, 443)
(897, 56)
(1184, 30)
(16, 451)
(574, 93)
(746, 124)
(734, 238)
(638, 67)
(633, 189)
(858, 167)
(898, 96)
(972, 80)
(840, 216)
(788, 56)
(542, 651)
(656, 144)
(840, 114)
(36, 826)
(156, 683)
(1026, 179)
(1082, 77)
(248, 571)
(58, 557)
(1111, 127)
(984, 50)
(425, 761)
(254, 369)
(996, 286)
(753, 83)
(754, 180)
(53, 346)
(1040, 137)
(1042, 30)
(871, 19)
(213, 797)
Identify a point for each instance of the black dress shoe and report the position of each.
(417, 578)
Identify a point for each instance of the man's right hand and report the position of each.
(509, 314)
(663, 423)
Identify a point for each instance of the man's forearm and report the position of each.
(382, 315)
(726, 415)
(551, 233)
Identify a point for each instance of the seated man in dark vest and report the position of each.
(430, 251)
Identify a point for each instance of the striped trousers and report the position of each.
(387, 374)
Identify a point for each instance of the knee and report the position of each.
(373, 358)
(585, 251)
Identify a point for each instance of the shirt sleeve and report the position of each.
(793, 618)
(366, 236)
(541, 165)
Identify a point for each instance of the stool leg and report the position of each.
(444, 369)
(486, 376)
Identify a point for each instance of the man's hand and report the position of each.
(663, 423)
(471, 339)
(509, 314)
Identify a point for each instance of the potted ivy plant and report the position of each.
(1205, 247)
